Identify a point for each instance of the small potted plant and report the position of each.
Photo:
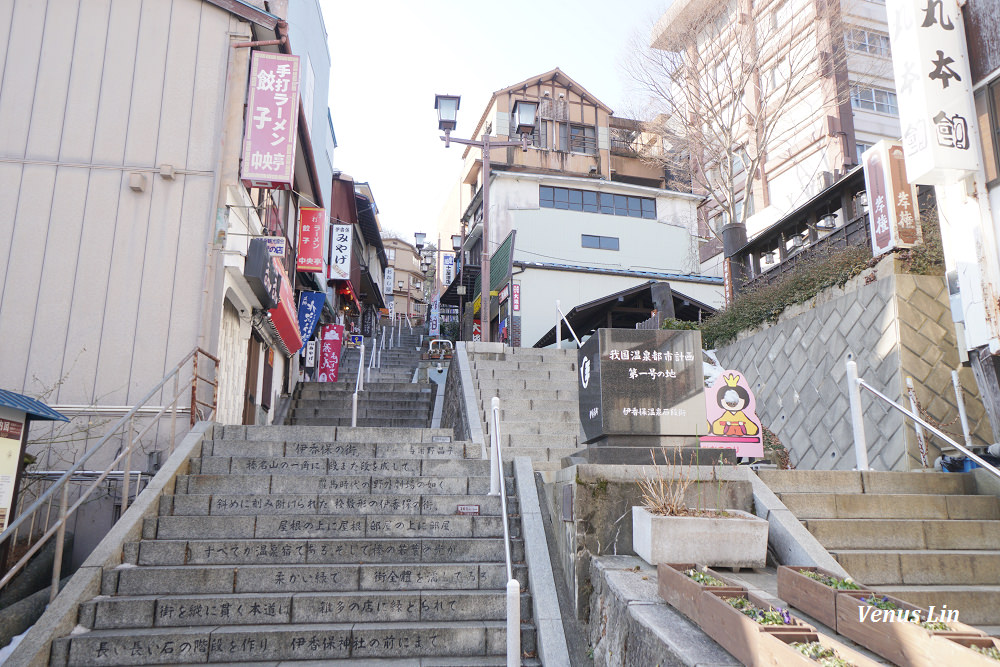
(735, 621)
(666, 529)
(895, 629)
(683, 586)
(814, 591)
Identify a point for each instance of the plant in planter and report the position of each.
(895, 629)
(683, 586)
(666, 529)
(807, 649)
(770, 616)
(814, 591)
(967, 651)
(737, 622)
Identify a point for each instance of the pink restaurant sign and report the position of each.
(271, 122)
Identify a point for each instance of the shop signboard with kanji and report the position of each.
(641, 382)
(449, 270)
(268, 159)
(933, 89)
(310, 307)
(893, 214)
(331, 341)
(341, 240)
(312, 228)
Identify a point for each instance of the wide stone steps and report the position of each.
(977, 603)
(876, 567)
(364, 421)
(890, 506)
(313, 390)
(332, 484)
(332, 504)
(904, 533)
(372, 400)
(565, 397)
(249, 644)
(320, 551)
(308, 465)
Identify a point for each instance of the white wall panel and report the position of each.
(19, 74)
(147, 88)
(84, 91)
(116, 82)
(48, 98)
(178, 91)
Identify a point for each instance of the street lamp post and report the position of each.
(524, 113)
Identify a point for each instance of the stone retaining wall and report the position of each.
(894, 325)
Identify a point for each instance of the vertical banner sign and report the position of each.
(449, 270)
(341, 241)
(310, 306)
(10, 450)
(435, 323)
(312, 224)
(272, 116)
(934, 89)
(369, 319)
(390, 277)
(515, 300)
(477, 330)
(332, 338)
(311, 354)
(892, 202)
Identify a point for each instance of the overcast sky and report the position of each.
(390, 57)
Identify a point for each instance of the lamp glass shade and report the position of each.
(828, 221)
(524, 116)
(456, 242)
(419, 238)
(447, 108)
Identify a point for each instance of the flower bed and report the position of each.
(683, 585)
(814, 591)
(809, 649)
(895, 629)
(736, 621)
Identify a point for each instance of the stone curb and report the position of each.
(469, 395)
(60, 618)
(552, 648)
(792, 542)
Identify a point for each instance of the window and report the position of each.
(867, 41)
(391, 253)
(874, 99)
(781, 15)
(988, 116)
(862, 147)
(577, 138)
(599, 242)
(594, 202)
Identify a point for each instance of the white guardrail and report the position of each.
(498, 487)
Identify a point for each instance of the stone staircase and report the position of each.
(538, 401)
(923, 537)
(320, 545)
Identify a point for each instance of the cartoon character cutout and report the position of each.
(733, 423)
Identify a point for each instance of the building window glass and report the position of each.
(599, 242)
(582, 139)
(988, 117)
(862, 147)
(594, 202)
(867, 41)
(874, 99)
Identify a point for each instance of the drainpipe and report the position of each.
(281, 29)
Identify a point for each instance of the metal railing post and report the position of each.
(857, 419)
(128, 464)
(918, 429)
(173, 413)
(960, 402)
(558, 327)
(60, 543)
(495, 471)
(513, 623)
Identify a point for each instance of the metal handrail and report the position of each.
(371, 362)
(359, 385)
(855, 384)
(440, 342)
(499, 486)
(61, 485)
(559, 321)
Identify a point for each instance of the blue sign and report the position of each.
(310, 307)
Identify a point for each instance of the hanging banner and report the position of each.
(515, 299)
(448, 274)
(434, 329)
(311, 354)
(310, 307)
(934, 89)
(332, 338)
(390, 277)
(312, 224)
(268, 159)
(368, 322)
(477, 331)
(892, 202)
(341, 240)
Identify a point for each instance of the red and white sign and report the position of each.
(341, 239)
(477, 330)
(284, 316)
(892, 202)
(515, 300)
(332, 339)
(312, 224)
(504, 293)
(271, 121)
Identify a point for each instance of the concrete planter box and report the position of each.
(738, 633)
(684, 593)
(736, 542)
(775, 649)
(811, 596)
(906, 644)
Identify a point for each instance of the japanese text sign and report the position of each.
(933, 89)
(893, 214)
(516, 298)
(271, 121)
(449, 269)
(390, 277)
(312, 224)
(341, 242)
(275, 246)
(331, 340)
(310, 307)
